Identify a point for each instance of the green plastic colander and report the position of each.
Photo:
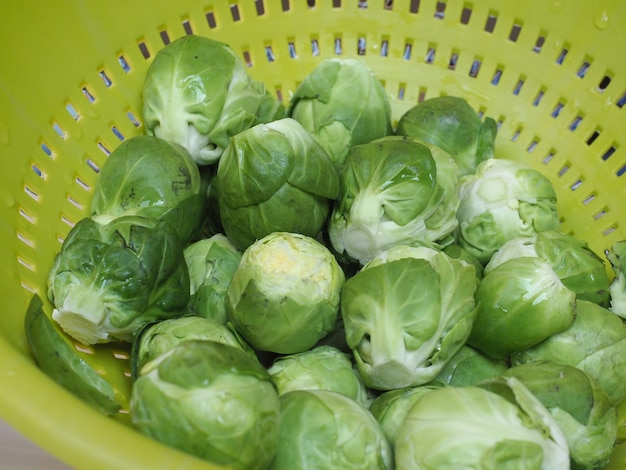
(550, 72)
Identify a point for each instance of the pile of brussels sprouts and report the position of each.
(311, 286)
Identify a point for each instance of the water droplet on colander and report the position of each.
(5, 135)
(601, 19)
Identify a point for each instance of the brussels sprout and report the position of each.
(149, 177)
(341, 103)
(57, 357)
(521, 303)
(320, 368)
(391, 407)
(284, 296)
(406, 313)
(325, 429)
(394, 191)
(452, 124)
(470, 367)
(579, 406)
(454, 250)
(211, 400)
(497, 424)
(198, 94)
(502, 200)
(212, 223)
(595, 343)
(617, 288)
(108, 281)
(212, 262)
(579, 268)
(158, 338)
(274, 177)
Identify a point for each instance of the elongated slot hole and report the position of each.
(133, 119)
(604, 83)
(430, 55)
(24, 239)
(93, 165)
(608, 152)
(28, 287)
(165, 37)
(83, 184)
(496, 76)
(31, 193)
(532, 146)
(589, 199)
(26, 264)
(361, 46)
(561, 57)
(260, 7)
(315, 47)
(117, 133)
(291, 46)
(401, 90)
(104, 149)
(286, 6)
(454, 57)
(124, 63)
(548, 158)
(105, 78)
(37, 171)
(74, 202)
(338, 46)
(440, 10)
(557, 110)
(247, 58)
(475, 68)
(609, 231)
(539, 43)
(88, 95)
(384, 48)
(575, 123)
(592, 138)
(187, 27)
(26, 216)
(235, 13)
(59, 130)
(490, 24)
(414, 6)
(269, 53)
(516, 29)
(70, 223)
(408, 47)
(466, 14)
(583, 69)
(46, 149)
(143, 48)
(421, 96)
(210, 19)
(71, 110)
